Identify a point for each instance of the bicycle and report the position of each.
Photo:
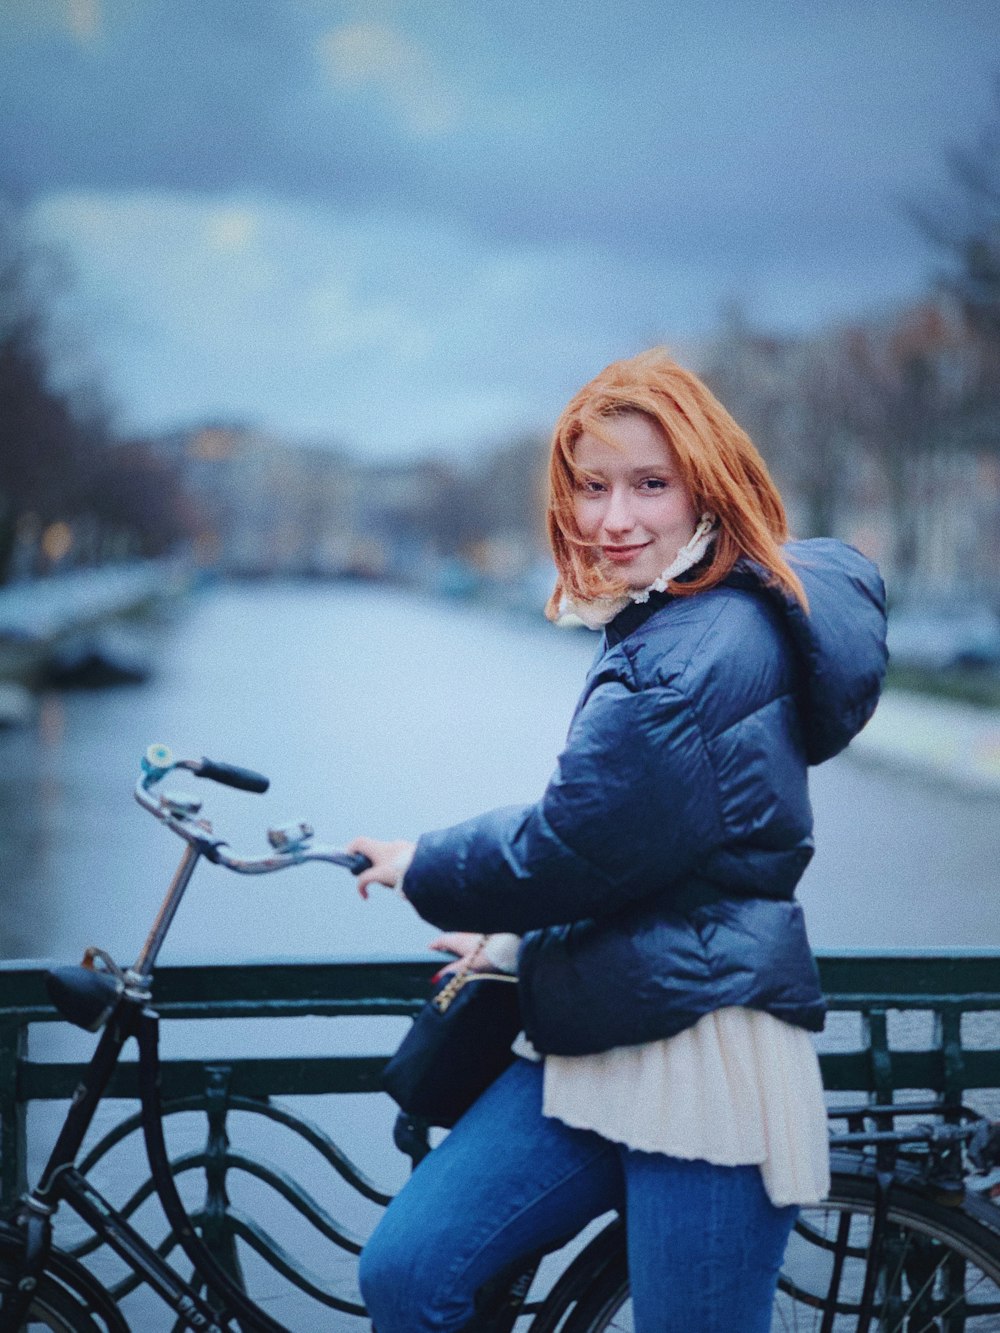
(39, 1284)
(900, 1245)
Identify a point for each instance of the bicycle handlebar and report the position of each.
(292, 844)
(263, 865)
(231, 776)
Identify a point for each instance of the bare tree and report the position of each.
(964, 223)
(58, 457)
(787, 394)
(37, 472)
(902, 389)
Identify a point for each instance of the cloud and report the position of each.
(231, 229)
(352, 215)
(573, 120)
(84, 18)
(386, 333)
(379, 57)
(81, 18)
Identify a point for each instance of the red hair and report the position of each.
(717, 460)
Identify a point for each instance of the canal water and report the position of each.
(372, 711)
(379, 712)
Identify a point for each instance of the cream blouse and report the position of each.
(740, 1087)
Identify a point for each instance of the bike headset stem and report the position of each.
(156, 764)
(292, 844)
(140, 974)
(179, 814)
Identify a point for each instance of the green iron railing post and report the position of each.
(217, 1231)
(948, 1036)
(13, 1112)
(876, 1030)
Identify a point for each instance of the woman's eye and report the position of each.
(654, 484)
(589, 486)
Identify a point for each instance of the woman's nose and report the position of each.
(618, 514)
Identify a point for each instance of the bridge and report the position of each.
(902, 1025)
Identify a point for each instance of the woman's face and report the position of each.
(630, 501)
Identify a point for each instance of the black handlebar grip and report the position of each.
(231, 776)
(358, 862)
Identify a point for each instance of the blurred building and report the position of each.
(264, 506)
(884, 433)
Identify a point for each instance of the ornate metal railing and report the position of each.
(902, 1022)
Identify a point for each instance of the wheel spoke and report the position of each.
(917, 1296)
(926, 1276)
(953, 1304)
(890, 1285)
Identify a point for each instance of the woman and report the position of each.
(666, 981)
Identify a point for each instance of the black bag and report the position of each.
(459, 1043)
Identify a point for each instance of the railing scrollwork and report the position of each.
(260, 1142)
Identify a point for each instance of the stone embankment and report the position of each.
(46, 621)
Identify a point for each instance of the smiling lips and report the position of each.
(621, 555)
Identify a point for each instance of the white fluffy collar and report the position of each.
(596, 612)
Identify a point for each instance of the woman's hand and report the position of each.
(469, 948)
(388, 861)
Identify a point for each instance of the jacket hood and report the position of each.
(839, 643)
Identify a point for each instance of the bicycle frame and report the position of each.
(212, 1301)
(120, 1003)
(60, 1182)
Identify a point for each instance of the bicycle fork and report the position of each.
(39, 1207)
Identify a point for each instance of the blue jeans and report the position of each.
(704, 1242)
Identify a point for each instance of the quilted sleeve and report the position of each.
(631, 809)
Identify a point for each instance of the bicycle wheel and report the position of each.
(53, 1307)
(939, 1271)
(56, 1305)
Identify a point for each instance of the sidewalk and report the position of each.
(936, 737)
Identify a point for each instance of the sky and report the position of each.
(411, 225)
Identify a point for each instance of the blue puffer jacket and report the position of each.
(655, 878)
